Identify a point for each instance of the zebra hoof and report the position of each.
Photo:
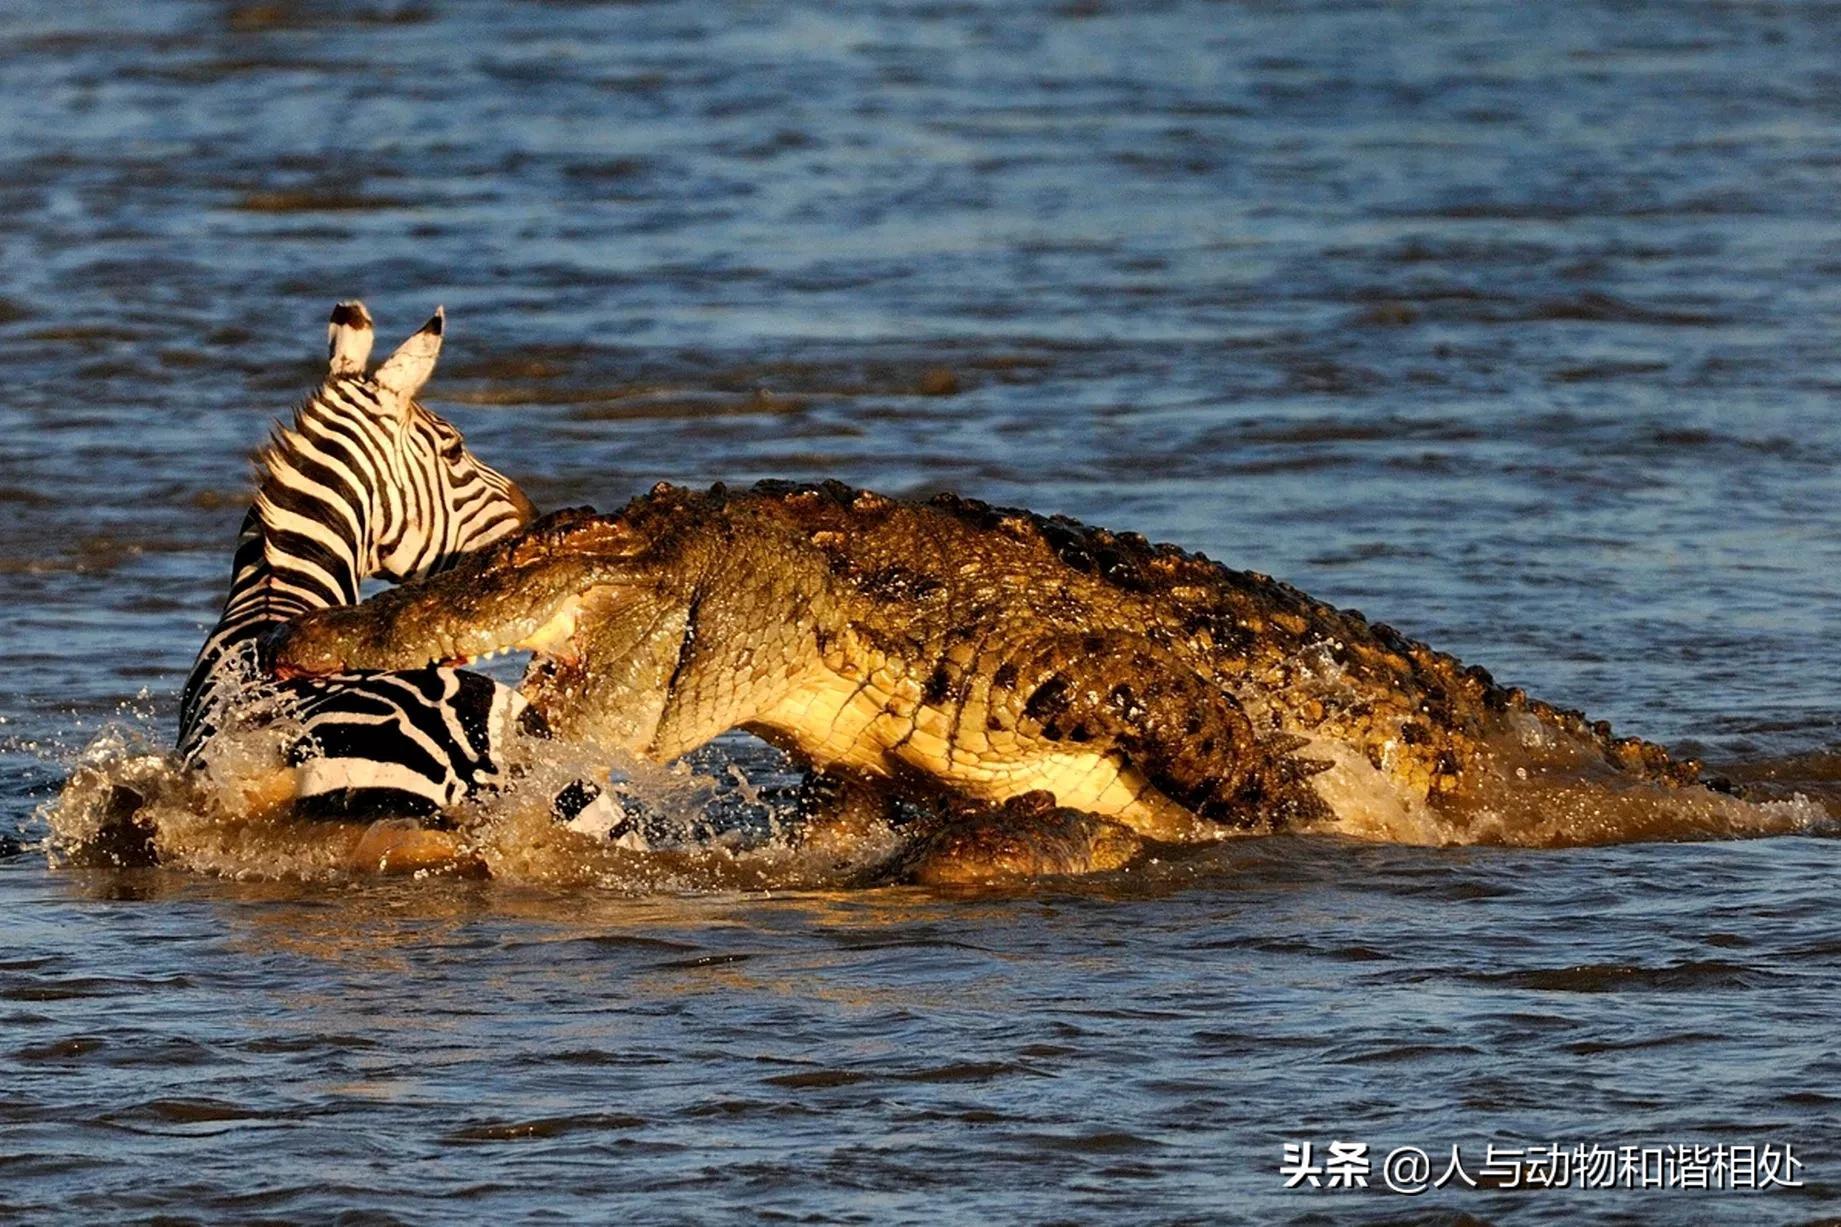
(395, 846)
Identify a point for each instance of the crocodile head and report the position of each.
(525, 593)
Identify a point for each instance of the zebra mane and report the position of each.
(279, 454)
(285, 461)
(282, 447)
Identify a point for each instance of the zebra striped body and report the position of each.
(366, 482)
(407, 742)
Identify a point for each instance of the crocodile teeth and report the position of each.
(554, 633)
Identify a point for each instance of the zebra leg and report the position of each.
(591, 810)
(584, 806)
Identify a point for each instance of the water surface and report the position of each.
(1511, 325)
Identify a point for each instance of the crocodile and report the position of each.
(979, 652)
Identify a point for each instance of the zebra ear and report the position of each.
(348, 338)
(405, 371)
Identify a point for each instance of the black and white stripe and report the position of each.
(366, 482)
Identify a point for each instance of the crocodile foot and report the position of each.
(844, 821)
(1026, 837)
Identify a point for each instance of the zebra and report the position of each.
(366, 482)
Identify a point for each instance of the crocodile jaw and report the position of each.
(341, 639)
(549, 638)
(552, 639)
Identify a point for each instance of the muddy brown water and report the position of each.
(1514, 325)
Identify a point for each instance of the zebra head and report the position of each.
(390, 481)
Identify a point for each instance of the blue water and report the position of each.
(1512, 325)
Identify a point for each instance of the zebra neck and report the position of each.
(279, 573)
(286, 569)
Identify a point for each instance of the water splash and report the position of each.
(129, 801)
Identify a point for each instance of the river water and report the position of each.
(1513, 325)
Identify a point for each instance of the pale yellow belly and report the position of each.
(878, 726)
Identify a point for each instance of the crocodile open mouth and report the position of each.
(417, 634)
(553, 639)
